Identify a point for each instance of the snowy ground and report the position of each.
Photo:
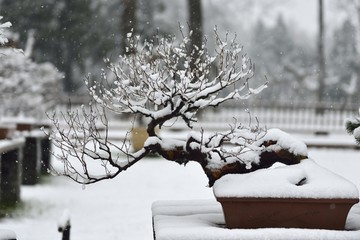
(121, 208)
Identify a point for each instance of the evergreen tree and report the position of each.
(344, 62)
(145, 18)
(280, 57)
(259, 53)
(281, 43)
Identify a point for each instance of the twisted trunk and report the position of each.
(268, 157)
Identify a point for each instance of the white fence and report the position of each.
(289, 117)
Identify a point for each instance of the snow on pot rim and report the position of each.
(303, 180)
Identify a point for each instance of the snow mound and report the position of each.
(303, 180)
(284, 141)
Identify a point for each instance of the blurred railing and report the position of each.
(74, 99)
(289, 116)
(293, 117)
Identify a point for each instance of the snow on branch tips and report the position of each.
(154, 80)
(157, 82)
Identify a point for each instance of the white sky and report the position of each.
(304, 14)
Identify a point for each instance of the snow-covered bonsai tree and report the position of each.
(155, 82)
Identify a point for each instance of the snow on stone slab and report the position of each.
(204, 220)
(185, 207)
(208, 227)
(303, 180)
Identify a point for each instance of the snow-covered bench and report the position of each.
(203, 219)
(7, 235)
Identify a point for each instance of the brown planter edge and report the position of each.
(24, 126)
(309, 213)
(6, 132)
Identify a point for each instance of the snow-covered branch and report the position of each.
(87, 137)
(157, 82)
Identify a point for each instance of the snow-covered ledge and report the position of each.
(304, 180)
(11, 144)
(204, 219)
(7, 234)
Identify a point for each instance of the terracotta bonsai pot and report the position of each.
(303, 195)
(286, 213)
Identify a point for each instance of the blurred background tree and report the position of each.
(76, 35)
(70, 34)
